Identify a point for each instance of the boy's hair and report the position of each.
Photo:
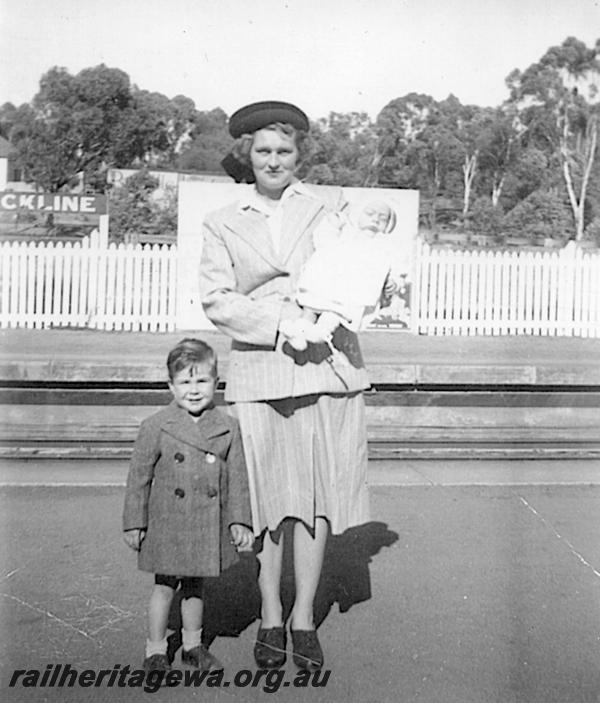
(190, 352)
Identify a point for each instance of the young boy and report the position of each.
(187, 506)
(345, 277)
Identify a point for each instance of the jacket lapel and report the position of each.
(299, 213)
(199, 434)
(250, 226)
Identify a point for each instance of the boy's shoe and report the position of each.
(157, 662)
(200, 658)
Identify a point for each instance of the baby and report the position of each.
(345, 277)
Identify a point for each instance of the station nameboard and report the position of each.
(60, 208)
(53, 202)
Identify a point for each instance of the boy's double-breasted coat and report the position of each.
(187, 484)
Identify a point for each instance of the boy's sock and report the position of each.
(158, 647)
(191, 638)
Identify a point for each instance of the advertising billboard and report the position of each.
(197, 199)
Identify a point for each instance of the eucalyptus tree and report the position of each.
(205, 141)
(431, 145)
(399, 128)
(412, 148)
(75, 124)
(557, 102)
(86, 123)
(343, 151)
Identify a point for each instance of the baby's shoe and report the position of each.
(294, 332)
(316, 335)
(321, 330)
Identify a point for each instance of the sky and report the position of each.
(324, 55)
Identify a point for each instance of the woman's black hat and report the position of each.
(249, 118)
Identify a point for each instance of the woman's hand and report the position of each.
(241, 537)
(134, 538)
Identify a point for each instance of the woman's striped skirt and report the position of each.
(307, 458)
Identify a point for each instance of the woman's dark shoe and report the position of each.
(269, 650)
(307, 650)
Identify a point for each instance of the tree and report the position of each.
(486, 218)
(344, 145)
(463, 125)
(558, 99)
(206, 142)
(399, 127)
(76, 123)
(430, 146)
(500, 145)
(134, 210)
(9, 116)
(541, 215)
(532, 169)
(86, 123)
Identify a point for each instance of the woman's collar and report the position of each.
(251, 199)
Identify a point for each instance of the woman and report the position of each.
(301, 412)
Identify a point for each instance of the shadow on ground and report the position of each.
(232, 601)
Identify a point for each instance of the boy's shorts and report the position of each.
(191, 586)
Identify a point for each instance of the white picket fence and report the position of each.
(505, 292)
(134, 287)
(119, 287)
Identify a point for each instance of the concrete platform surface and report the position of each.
(392, 357)
(406, 472)
(451, 594)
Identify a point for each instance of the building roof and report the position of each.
(5, 148)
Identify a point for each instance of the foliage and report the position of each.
(134, 209)
(343, 150)
(531, 169)
(89, 115)
(557, 102)
(207, 143)
(541, 215)
(499, 147)
(9, 117)
(92, 121)
(401, 149)
(592, 232)
(535, 157)
(486, 218)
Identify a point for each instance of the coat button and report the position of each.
(179, 492)
(179, 457)
(212, 493)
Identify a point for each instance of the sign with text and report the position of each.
(52, 208)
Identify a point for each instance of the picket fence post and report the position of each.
(518, 292)
(87, 284)
(133, 287)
